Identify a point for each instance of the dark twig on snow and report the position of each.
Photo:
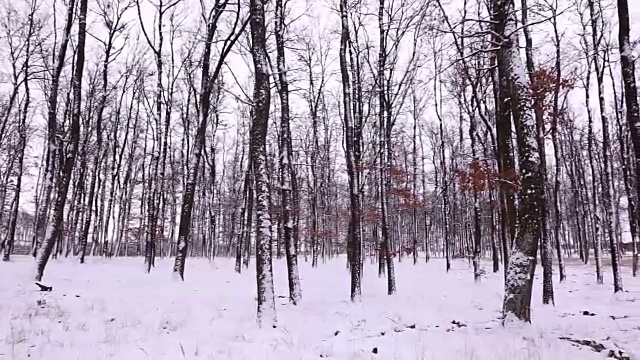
(44, 287)
(597, 347)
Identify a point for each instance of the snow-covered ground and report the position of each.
(110, 309)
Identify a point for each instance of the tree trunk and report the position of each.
(354, 246)
(261, 101)
(522, 263)
(209, 84)
(606, 153)
(287, 173)
(384, 133)
(55, 226)
(633, 112)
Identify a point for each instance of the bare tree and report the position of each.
(522, 262)
(112, 19)
(66, 164)
(633, 112)
(385, 152)
(26, 70)
(209, 84)
(352, 143)
(260, 122)
(287, 173)
(607, 195)
(156, 173)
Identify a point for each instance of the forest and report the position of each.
(501, 134)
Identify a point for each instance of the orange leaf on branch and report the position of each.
(480, 177)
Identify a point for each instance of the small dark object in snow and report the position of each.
(78, 296)
(274, 326)
(336, 333)
(613, 317)
(618, 354)
(590, 343)
(382, 333)
(44, 287)
(41, 302)
(412, 326)
(588, 313)
(112, 319)
(375, 350)
(458, 324)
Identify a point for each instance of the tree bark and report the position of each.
(607, 194)
(384, 134)
(522, 263)
(55, 226)
(633, 111)
(260, 119)
(287, 173)
(354, 243)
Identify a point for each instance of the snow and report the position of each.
(110, 309)
(518, 270)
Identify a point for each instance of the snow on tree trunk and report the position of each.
(187, 206)
(287, 173)
(607, 194)
(522, 262)
(54, 231)
(633, 111)
(261, 101)
(595, 218)
(546, 255)
(194, 164)
(445, 195)
(52, 147)
(385, 153)
(354, 248)
(556, 151)
(243, 214)
(506, 162)
(209, 85)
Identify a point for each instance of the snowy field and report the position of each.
(110, 309)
